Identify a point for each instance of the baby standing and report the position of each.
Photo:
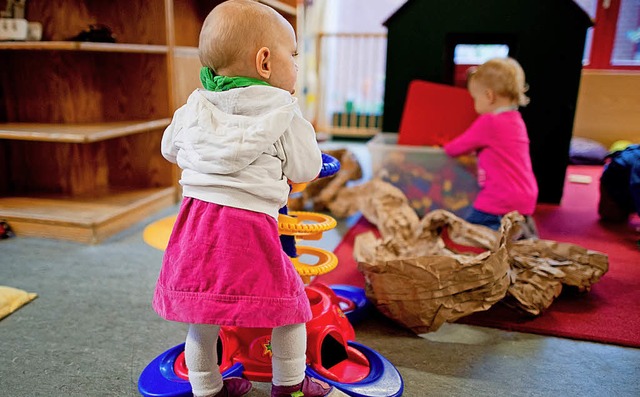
(499, 136)
(238, 142)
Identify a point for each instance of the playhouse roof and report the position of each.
(579, 12)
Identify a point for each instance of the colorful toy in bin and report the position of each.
(426, 175)
(332, 354)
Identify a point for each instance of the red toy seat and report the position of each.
(434, 114)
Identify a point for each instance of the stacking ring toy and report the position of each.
(292, 224)
(327, 261)
(332, 354)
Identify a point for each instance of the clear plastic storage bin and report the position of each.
(428, 177)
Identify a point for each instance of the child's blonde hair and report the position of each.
(505, 76)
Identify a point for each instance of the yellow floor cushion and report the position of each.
(11, 299)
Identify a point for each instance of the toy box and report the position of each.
(428, 177)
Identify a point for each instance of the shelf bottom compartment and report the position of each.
(83, 220)
(348, 132)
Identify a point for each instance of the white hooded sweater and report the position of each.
(239, 147)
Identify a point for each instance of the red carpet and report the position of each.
(609, 313)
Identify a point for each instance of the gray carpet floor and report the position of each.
(92, 330)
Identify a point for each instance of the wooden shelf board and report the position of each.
(77, 133)
(185, 51)
(349, 132)
(83, 46)
(85, 220)
(281, 6)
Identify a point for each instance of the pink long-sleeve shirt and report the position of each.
(505, 175)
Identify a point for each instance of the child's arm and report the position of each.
(167, 146)
(473, 139)
(302, 156)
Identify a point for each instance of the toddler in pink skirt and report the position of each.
(238, 142)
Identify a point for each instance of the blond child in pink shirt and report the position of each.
(499, 136)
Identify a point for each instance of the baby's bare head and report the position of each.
(232, 34)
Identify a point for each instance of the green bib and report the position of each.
(225, 83)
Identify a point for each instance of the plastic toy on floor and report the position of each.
(5, 230)
(333, 355)
(620, 184)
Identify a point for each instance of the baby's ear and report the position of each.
(263, 62)
(490, 94)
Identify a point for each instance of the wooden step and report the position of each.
(83, 220)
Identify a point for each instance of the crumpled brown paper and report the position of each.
(322, 191)
(377, 200)
(541, 267)
(423, 272)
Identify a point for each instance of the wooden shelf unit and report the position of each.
(287, 8)
(81, 122)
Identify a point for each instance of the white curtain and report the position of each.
(332, 16)
(311, 22)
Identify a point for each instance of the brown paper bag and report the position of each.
(422, 292)
(541, 267)
(422, 273)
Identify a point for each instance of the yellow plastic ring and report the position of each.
(291, 225)
(327, 261)
(157, 233)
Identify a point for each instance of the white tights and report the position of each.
(288, 344)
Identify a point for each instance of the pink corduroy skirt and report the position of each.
(226, 266)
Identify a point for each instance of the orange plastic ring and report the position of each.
(327, 261)
(291, 225)
(157, 233)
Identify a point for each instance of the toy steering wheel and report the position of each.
(330, 166)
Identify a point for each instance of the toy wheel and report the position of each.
(165, 376)
(383, 380)
(353, 301)
(292, 224)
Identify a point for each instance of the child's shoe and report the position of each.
(234, 387)
(310, 387)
